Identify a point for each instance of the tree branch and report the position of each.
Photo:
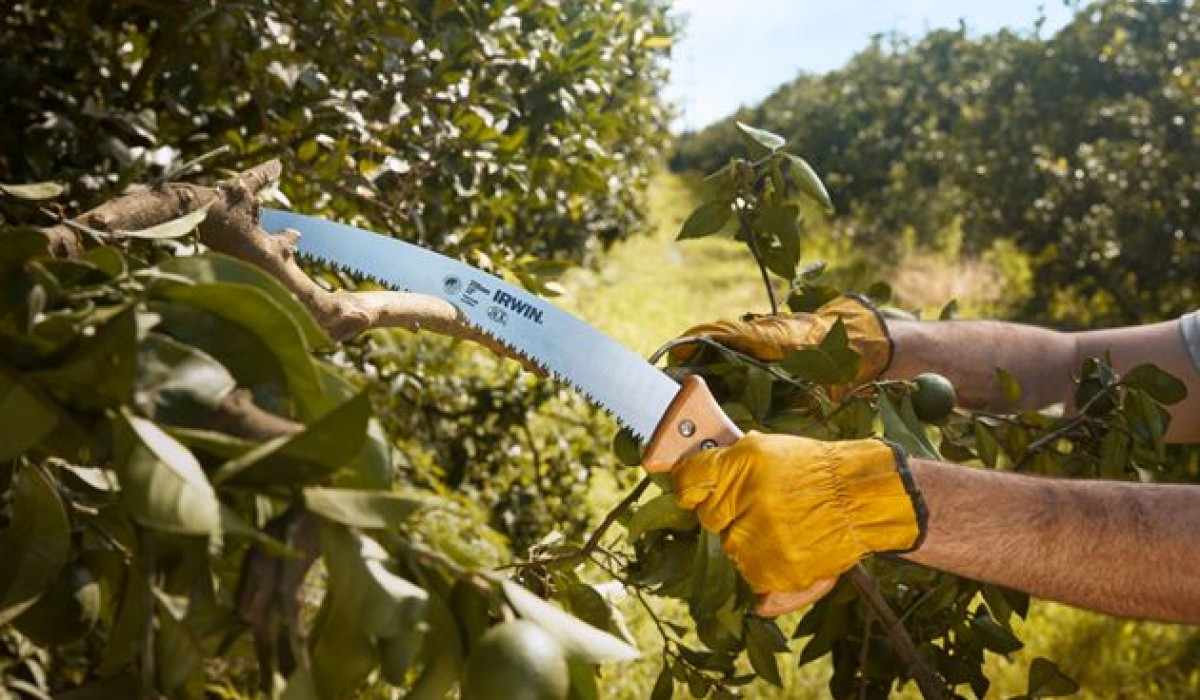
(930, 684)
(231, 227)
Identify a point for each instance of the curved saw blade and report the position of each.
(607, 373)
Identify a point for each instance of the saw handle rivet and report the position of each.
(687, 428)
(708, 444)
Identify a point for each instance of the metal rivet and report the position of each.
(708, 444)
(687, 428)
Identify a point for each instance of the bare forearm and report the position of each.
(1043, 361)
(968, 353)
(1123, 549)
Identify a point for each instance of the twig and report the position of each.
(593, 542)
(931, 685)
(762, 268)
(863, 651)
(1041, 443)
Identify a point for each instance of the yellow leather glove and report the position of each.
(771, 338)
(794, 512)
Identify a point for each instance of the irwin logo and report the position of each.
(515, 305)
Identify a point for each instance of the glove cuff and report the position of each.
(866, 329)
(885, 508)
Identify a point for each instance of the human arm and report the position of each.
(794, 513)
(1126, 549)
(1042, 360)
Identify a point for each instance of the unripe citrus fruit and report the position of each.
(516, 660)
(934, 398)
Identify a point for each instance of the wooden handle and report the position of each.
(694, 421)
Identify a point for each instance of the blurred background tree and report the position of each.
(1078, 148)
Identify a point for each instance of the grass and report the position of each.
(649, 288)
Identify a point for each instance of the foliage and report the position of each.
(466, 125)
(1079, 147)
(952, 622)
(516, 134)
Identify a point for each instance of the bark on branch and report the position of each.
(231, 227)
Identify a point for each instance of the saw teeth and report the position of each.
(532, 360)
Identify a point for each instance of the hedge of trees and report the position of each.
(1080, 147)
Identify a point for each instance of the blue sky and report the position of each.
(736, 52)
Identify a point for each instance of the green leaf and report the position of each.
(380, 602)
(249, 333)
(578, 639)
(660, 513)
(832, 362)
(35, 543)
(993, 635)
(102, 371)
(664, 686)
(442, 654)
(781, 231)
(756, 392)
(211, 268)
(162, 484)
(949, 311)
(880, 293)
(175, 228)
(33, 191)
(176, 382)
(343, 653)
(583, 681)
(900, 425)
(707, 219)
(25, 416)
(714, 580)
(1159, 384)
(986, 445)
(1114, 454)
(367, 509)
(1010, 387)
(810, 183)
(300, 686)
(627, 448)
(766, 139)
(586, 603)
(179, 659)
(763, 641)
(1046, 680)
(311, 455)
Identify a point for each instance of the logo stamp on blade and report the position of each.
(498, 315)
(517, 306)
(452, 285)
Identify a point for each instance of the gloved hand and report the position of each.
(795, 513)
(771, 338)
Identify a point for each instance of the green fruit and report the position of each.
(66, 611)
(934, 398)
(516, 660)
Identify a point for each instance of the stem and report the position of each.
(593, 542)
(863, 651)
(762, 268)
(928, 681)
(1041, 443)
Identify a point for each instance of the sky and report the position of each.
(736, 52)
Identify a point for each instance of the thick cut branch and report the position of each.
(231, 227)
